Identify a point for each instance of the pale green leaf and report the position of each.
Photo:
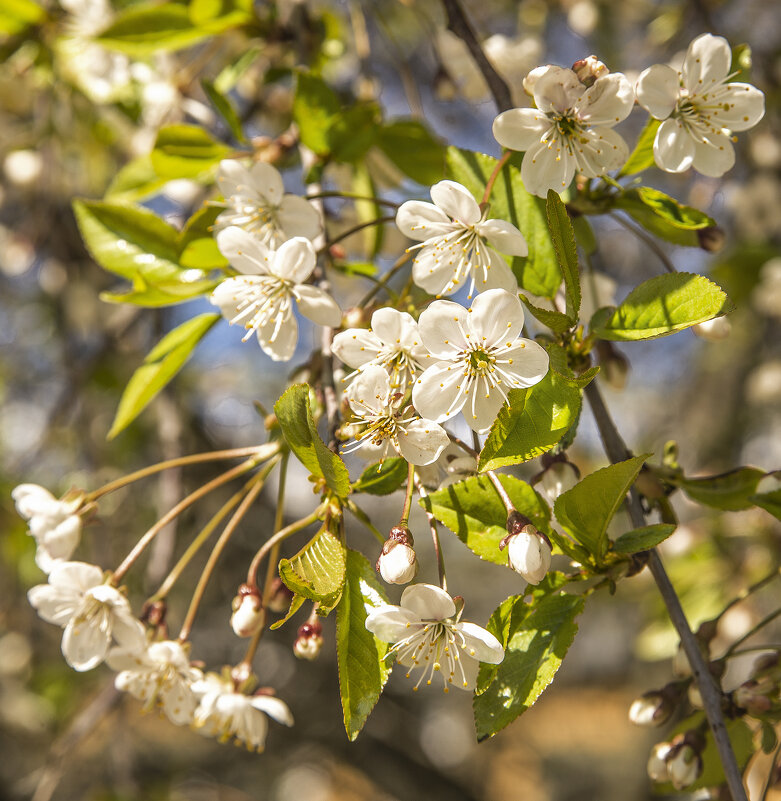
(315, 105)
(186, 151)
(642, 157)
(317, 571)
(146, 28)
(296, 602)
(563, 238)
(137, 180)
(557, 321)
(16, 15)
(225, 108)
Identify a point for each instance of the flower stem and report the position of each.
(752, 631)
(464, 447)
(501, 491)
(219, 547)
(711, 695)
(356, 228)
(195, 458)
(432, 524)
(404, 519)
(648, 240)
(140, 546)
(378, 201)
(492, 178)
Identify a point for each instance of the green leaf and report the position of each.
(185, 151)
(661, 306)
(557, 321)
(770, 502)
(224, 108)
(229, 75)
(363, 669)
(473, 510)
(137, 180)
(314, 106)
(161, 364)
(16, 15)
(414, 150)
(168, 294)
(531, 422)
(563, 238)
(295, 418)
(642, 157)
(296, 602)
(317, 571)
(536, 638)
(642, 539)
(539, 272)
(352, 132)
(197, 246)
(586, 510)
(731, 491)
(382, 479)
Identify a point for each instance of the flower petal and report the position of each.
(267, 182)
(482, 406)
(434, 268)
(609, 101)
(520, 128)
(714, 156)
(78, 576)
(603, 150)
(422, 441)
(428, 602)
(498, 275)
(419, 220)
(526, 362)
(368, 393)
(481, 644)
(557, 90)
(707, 61)
(127, 630)
(54, 604)
(504, 236)
(657, 90)
(356, 346)
(84, 644)
(274, 707)
(395, 328)
(438, 394)
(317, 305)
(496, 318)
(279, 340)
(470, 668)
(746, 106)
(456, 201)
(443, 328)
(294, 260)
(391, 623)
(233, 178)
(298, 217)
(246, 253)
(673, 147)
(547, 166)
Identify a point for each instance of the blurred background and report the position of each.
(71, 115)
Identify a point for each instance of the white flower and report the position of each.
(569, 131)
(224, 713)
(458, 242)
(529, 555)
(392, 342)
(427, 634)
(256, 202)
(90, 611)
(262, 298)
(161, 675)
(480, 356)
(378, 407)
(52, 522)
(699, 108)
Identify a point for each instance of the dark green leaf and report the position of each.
(352, 132)
(414, 150)
(317, 571)
(731, 491)
(536, 638)
(584, 234)
(363, 669)
(161, 364)
(661, 306)
(642, 157)
(382, 479)
(563, 238)
(642, 539)
(225, 109)
(295, 418)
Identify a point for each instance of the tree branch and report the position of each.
(617, 451)
(461, 27)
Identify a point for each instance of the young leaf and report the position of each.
(16, 15)
(314, 106)
(137, 180)
(197, 245)
(473, 510)
(382, 479)
(539, 272)
(563, 238)
(731, 491)
(557, 321)
(363, 669)
(161, 364)
(586, 510)
(642, 539)
(536, 638)
(185, 151)
(531, 422)
(770, 502)
(225, 109)
(296, 602)
(642, 157)
(414, 150)
(295, 418)
(317, 570)
(661, 306)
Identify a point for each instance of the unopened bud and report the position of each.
(657, 762)
(695, 696)
(154, 613)
(529, 554)
(754, 696)
(589, 70)
(247, 615)
(397, 563)
(280, 597)
(713, 330)
(684, 766)
(711, 239)
(652, 708)
(309, 641)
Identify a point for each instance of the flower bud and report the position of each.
(529, 554)
(754, 696)
(247, 615)
(657, 762)
(652, 708)
(589, 69)
(695, 696)
(280, 597)
(711, 239)
(309, 641)
(684, 766)
(397, 563)
(714, 330)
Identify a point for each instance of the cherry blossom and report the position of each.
(272, 282)
(386, 425)
(570, 130)
(458, 242)
(91, 612)
(426, 633)
(225, 713)
(529, 555)
(699, 108)
(479, 355)
(255, 201)
(392, 342)
(160, 676)
(53, 523)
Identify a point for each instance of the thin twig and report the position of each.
(432, 524)
(648, 240)
(711, 695)
(356, 228)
